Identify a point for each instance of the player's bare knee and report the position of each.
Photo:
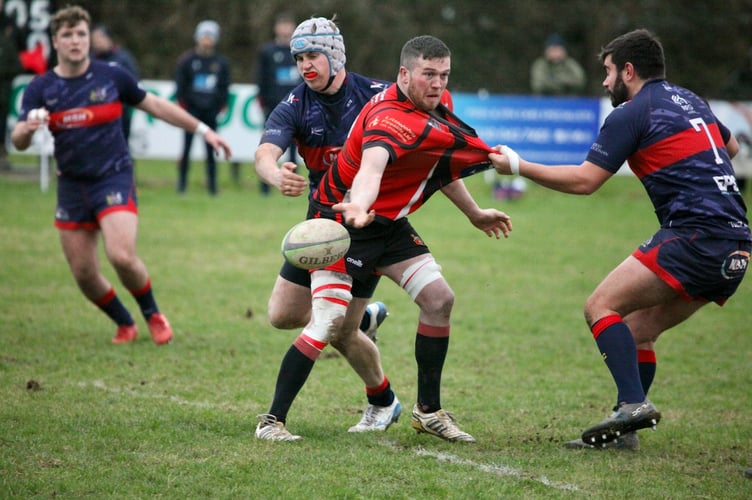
(590, 310)
(285, 323)
(285, 319)
(122, 261)
(340, 339)
(436, 301)
(84, 274)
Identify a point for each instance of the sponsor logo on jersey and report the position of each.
(72, 118)
(682, 103)
(726, 183)
(400, 130)
(85, 117)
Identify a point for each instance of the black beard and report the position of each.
(620, 94)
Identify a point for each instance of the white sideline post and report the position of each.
(46, 149)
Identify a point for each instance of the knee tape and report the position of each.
(331, 295)
(419, 275)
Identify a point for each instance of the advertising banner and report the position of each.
(551, 130)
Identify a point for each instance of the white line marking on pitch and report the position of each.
(499, 470)
(98, 384)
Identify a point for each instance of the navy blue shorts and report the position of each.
(81, 204)
(698, 267)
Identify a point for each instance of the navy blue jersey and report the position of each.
(675, 145)
(319, 123)
(202, 82)
(277, 75)
(85, 118)
(121, 56)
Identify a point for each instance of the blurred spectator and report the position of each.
(10, 67)
(737, 88)
(555, 73)
(277, 75)
(202, 84)
(104, 48)
(738, 85)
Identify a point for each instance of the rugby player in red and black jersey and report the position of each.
(318, 115)
(404, 146)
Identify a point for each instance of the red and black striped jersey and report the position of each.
(427, 151)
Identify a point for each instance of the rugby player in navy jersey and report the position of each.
(316, 115)
(430, 152)
(682, 154)
(81, 101)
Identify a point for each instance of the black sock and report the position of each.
(382, 398)
(430, 353)
(293, 373)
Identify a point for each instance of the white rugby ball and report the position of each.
(40, 114)
(315, 243)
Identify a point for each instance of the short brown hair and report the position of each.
(423, 47)
(68, 17)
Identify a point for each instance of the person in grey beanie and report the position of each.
(202, 81)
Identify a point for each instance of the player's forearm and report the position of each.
(459, 195)
(21, 136)
(364, 194)
(265, 164)
(169, 112)
(562, 178)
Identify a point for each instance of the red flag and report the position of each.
(34, 60)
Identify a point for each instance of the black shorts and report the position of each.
(378, 245)
(696, 266)
(302, 277)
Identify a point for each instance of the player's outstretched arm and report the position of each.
(175, 115)
(573, 179)
(365, 188)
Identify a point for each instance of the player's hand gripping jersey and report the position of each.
(426, 151)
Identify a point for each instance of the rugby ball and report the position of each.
(315, 243)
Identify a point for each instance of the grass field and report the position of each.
(82, 418)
